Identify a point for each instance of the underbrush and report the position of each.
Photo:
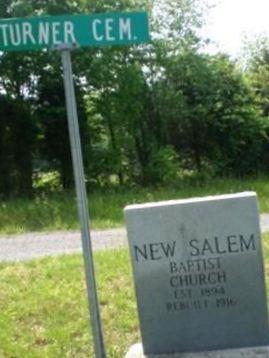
(58, 211)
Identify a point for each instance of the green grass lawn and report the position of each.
(44, 308)
(59, 212)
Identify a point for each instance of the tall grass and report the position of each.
(57, 211)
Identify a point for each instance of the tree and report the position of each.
(51, 111)
(209, 115)
(147, 112)
(257, 71)
(17, 137)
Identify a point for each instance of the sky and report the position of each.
(231, 20)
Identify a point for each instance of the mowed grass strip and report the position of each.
(44, 311)
(58, 211)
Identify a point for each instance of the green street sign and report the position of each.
(105, 29)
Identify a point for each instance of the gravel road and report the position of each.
(35, 245)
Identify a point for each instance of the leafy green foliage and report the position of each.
(148, 114)
(163, 166)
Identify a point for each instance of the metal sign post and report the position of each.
(82, 202)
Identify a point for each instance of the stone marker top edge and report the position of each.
(159, 204)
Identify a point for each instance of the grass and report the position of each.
(44, 309)
(58, 211)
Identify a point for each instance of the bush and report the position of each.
(163, 166)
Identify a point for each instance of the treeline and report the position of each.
(148, 114)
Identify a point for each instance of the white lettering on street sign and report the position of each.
(125, 29)
(19, 34)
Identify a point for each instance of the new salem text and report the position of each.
(82, 30)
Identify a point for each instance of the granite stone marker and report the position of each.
(198, 273)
